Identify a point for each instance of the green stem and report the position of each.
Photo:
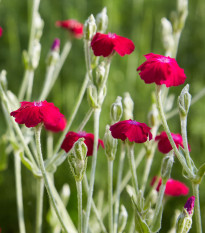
(80, 213)
(39, 204)
(94, 162)
(88, 58)
(132, 167)
(24, 84)
(64, 54)
(85, 184)
(146, 171)
(185, 142)
(19, 194)
(86, 119)
(166, 128)
(159, 203)
(30, 85)
(41, 164)
(197, 211)
(49, 144)
(110, 199)
(74, 112)
(119, 178)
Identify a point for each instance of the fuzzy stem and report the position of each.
(74, 112)
(119, 178)
(94, 162)
(19, 194)
(41, 164)
(197, 211)
(80, 213)
(86, 119)
(166, 128)
(110, 198)
(39, 204)
(132, 167)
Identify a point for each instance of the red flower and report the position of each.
(173, 187)
(73, 26)
(1, 30)
(164, 145)
(189, 206)
(57, 128)
(33, 113)
(161, 70)
(105, 44)
(133, 130)
(72, 137)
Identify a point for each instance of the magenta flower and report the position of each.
(33, 113)
(133, 130)
(189, 206)
(73, 26)
(173, 187)
(72, 137)
(164, 145)
(57, 128)
(161, 70)
(1, 30)
(105, 44)
(56, 45)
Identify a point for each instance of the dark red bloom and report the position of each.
(164, 145)
(105, 44)
(189, 206)
(73, 26)
(57, 128)
(173, 187)
(33, 113)
(161, 70)
(133, 130)
(72, 137)
(1, 30)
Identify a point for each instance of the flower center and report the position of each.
(38, 103)
(132, 122)
(164, 59)
(82, 134)
(111, 35)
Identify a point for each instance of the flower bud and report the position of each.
(89, 28)
(100, 74)
(92, 96)
(184, 220)
(35, 54)
(167, 36)
(53, 55)
(128, 106)
(65, 194)
(166, 167)
(153, 116)
(38, 25)
(184, 101)
(110, 144)
(182, 8)
(78, 159)
(122, 219)
(56, 45)
(102, 20)
(116, 110)
(102, 95)
(3, 80)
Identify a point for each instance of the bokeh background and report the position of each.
(138, 20)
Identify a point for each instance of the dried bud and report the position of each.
(166, 167)
(78, 159)
(110, 144)
(128, 106)
(92, 96)
(184, 101)
(102, 20)
(89, 28)
(122, 219)
(184, 220)
(116, 110)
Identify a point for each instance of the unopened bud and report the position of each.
(78, 159)
(65, 194)
(128, 106)
(116, 110)
(56, 45)
(169, 102)
(100, 74)
(38, 25)
(184, 220)
(166, 168)
(102, 95)
(53, 55)
(35, 54)
(184, 101)
(153, 116)
(102, 20)
(122, 219)
(167, 36)
(89, 28)
(14, 102)
(182, 8)
(3, 80)
(92, 96)
(110, 144)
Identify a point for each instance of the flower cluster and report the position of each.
(33, 113)
(72, 137)
(73, 26)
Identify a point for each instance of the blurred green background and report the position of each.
(138, 20)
